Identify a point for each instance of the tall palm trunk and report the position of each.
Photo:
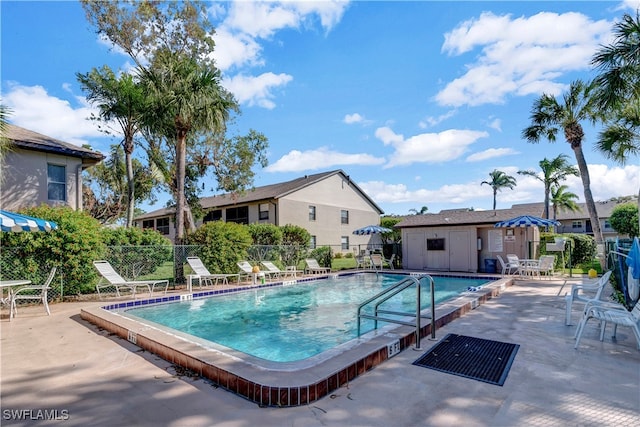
(181, 154)
(128, 154)
(588, 197)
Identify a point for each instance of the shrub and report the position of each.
(295, 241)
(71, 248)
(223, 244)
(135, 252)
(265, 234)
(624, 219)
(324, 255)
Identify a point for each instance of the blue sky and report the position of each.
(417, 101)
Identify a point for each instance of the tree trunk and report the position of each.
(588, 197)
(181, 154)
(547, 190)
(128, 152)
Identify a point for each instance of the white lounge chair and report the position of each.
(584, 293)
(204, 276)
(32, 293)
(507, 267)
(314, 268)
(111, 279)
(607, 314)
(277, 273)
(377, 261)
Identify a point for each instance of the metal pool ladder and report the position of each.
(394, 290)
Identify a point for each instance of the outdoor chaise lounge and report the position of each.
(508, 268)
(111, 279)
(32, 293)
(314, 268)
(278, 273)
(204, 276)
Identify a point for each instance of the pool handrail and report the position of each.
(394, 290)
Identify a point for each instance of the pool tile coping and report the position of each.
(269, 386)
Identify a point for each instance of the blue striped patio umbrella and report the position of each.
(13, 222)
(371, 229)
(526, 221)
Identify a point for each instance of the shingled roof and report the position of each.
(267, 192)
(30, 140)
(469, 217)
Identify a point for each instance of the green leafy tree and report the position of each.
(563, 200)
(120, 100)
(105, 185)
(499, 180)
(390, 222)
(554, 171)
(618, 92)
(171, 44)
(5, 144)
(624, 219)
(423, 210)
(550, 115)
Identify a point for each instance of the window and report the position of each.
(435, 244)
(576, 224)
(344, 217)
(162, 225)
(56, 183)
(607, 224)
(147, 223)
(215, 215)
(239, 215)
(312, 242)
(263, 211)
(312, 213)
(344, 241)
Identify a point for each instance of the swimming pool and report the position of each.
(268, 383)
(291, 323)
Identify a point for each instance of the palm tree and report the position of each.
(549, 116)
(423, 210)
(553, 172)
(563, 200)
(120, 100)
(499, 180)
(187, 99)
(618, 86)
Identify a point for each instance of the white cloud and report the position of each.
(428, 147)
(491, 153)
(296, 161)
(353, 118)
(495, 124)
(519, 56)
(432, 121)
(258, 90)
(606, 182)
(34, 109)
(236, 50)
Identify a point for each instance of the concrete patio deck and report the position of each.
(62, 363)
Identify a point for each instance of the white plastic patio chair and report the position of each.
(513, 260)
(584, 293)
(111, 279)
(507, 266)
(377, 261)
(32, 293)
(544, 266)
(314, 268)
(204, 276)
(617, 316)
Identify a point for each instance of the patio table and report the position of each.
(9, 284)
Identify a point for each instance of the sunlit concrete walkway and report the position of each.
(62, 363)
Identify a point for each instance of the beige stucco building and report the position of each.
(328, 205)
(39, 169)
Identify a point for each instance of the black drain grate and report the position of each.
(475, 358)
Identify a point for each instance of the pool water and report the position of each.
(295, 322)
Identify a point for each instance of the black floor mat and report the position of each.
(475, 358)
